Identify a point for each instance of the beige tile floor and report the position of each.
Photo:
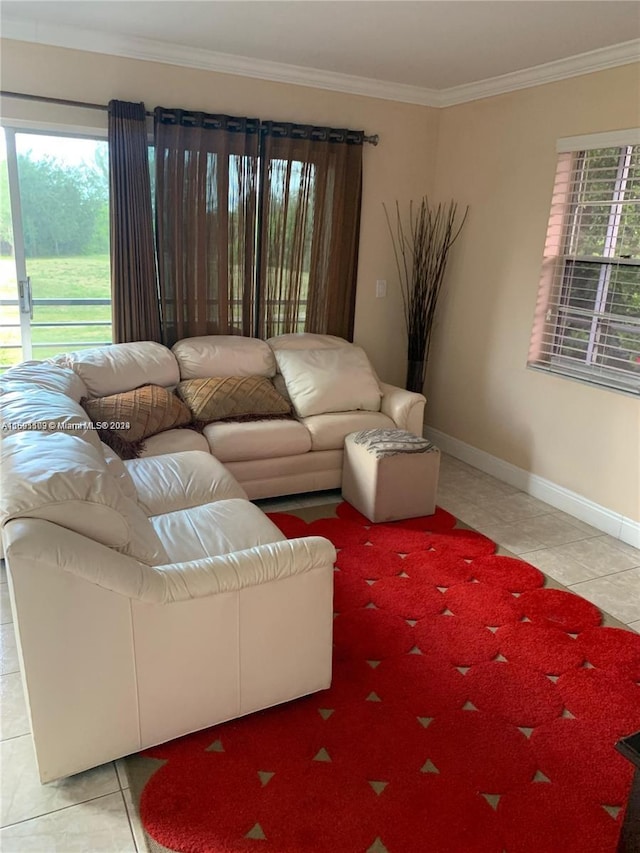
(93, 811)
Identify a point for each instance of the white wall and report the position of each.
(498, 155)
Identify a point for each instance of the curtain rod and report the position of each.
(373, 139)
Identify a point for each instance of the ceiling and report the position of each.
(433, 45)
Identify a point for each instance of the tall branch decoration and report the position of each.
(421, 255)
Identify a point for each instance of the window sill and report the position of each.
(585, 377)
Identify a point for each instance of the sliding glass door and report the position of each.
(55, 293)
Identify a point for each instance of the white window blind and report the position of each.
(587, 323)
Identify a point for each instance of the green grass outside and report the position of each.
(85, 277)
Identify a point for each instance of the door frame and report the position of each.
(25, 302)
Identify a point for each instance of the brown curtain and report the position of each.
(134, 291)
(311, 187)
(206, 188)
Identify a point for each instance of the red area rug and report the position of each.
(471, 711)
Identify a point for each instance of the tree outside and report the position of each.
(65, 208)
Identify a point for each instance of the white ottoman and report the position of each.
(389, 474)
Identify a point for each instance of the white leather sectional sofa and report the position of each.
(150, 597)
(268, 457)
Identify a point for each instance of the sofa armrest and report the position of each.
(405, 408)
(240, 569)
(30, 541)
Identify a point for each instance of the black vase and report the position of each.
(415, 376)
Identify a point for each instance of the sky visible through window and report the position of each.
(69, 151)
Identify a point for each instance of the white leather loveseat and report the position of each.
(150, 597)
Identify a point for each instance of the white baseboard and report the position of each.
(613, 523)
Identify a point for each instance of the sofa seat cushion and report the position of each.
(180, 481)
(223, 355)
(328, 432)
(221, 398)
(121, 367)
(214, 529)
(335, 379)
(233, 442)
(173, 441)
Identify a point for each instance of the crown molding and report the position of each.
(550, 72)
(150, 50)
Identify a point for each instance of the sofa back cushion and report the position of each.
(306, 340)
(223, 355)
(33, 409)
(61, 478)
(123, 367)
(337, 379)
(44, 375)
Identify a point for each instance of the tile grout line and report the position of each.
(128, 787)
(547, 547)
(14, 737)
(61, 809)
(126, 811)
(603, 577)
(595, 578)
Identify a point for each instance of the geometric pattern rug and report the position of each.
(472, 710)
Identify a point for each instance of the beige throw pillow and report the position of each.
(329, 380)
(221, 398)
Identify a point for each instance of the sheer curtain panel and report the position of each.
(134, 291)
(311, 187)
(206, 188)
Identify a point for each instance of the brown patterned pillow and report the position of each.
(232, 397)
(124, 420)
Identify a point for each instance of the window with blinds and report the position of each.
(587, 323)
